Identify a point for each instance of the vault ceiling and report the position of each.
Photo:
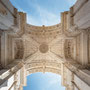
(43, 43)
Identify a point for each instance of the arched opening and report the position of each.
(62, 49)
(44, 81)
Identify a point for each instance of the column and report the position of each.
(3, 49)
(84, 48)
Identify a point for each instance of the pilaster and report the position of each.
(84, 48)
(4, 49)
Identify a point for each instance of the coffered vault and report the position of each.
(40, 49)
(63, 49)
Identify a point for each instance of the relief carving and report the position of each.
(43, 48)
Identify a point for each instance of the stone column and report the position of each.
(62, 75)
(75, 47)
(4, 49)
(0, 54)
(84, 48)
(23, 76)
(9, 49)
(64, 20)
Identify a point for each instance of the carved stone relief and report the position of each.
(43, 48)
(69, 49)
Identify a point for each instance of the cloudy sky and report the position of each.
(43, 12)
(41, 81)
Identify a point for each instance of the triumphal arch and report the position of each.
(63, 49)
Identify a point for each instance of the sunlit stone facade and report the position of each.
(63, 49)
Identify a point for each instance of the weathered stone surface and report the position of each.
(63, 49)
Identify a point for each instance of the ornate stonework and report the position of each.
(63, 48)
(43, 48)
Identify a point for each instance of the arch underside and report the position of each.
(44, 69)
(63, 49)
(46, 48)
(43, 66)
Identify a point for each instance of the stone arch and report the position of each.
(40, 69)
(49, 70)
(43, 66)
(50, 66)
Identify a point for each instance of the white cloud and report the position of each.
(32, 20)
(55, 81)
(46, 17)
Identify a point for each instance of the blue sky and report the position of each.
(43, 12)
(41, 81)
